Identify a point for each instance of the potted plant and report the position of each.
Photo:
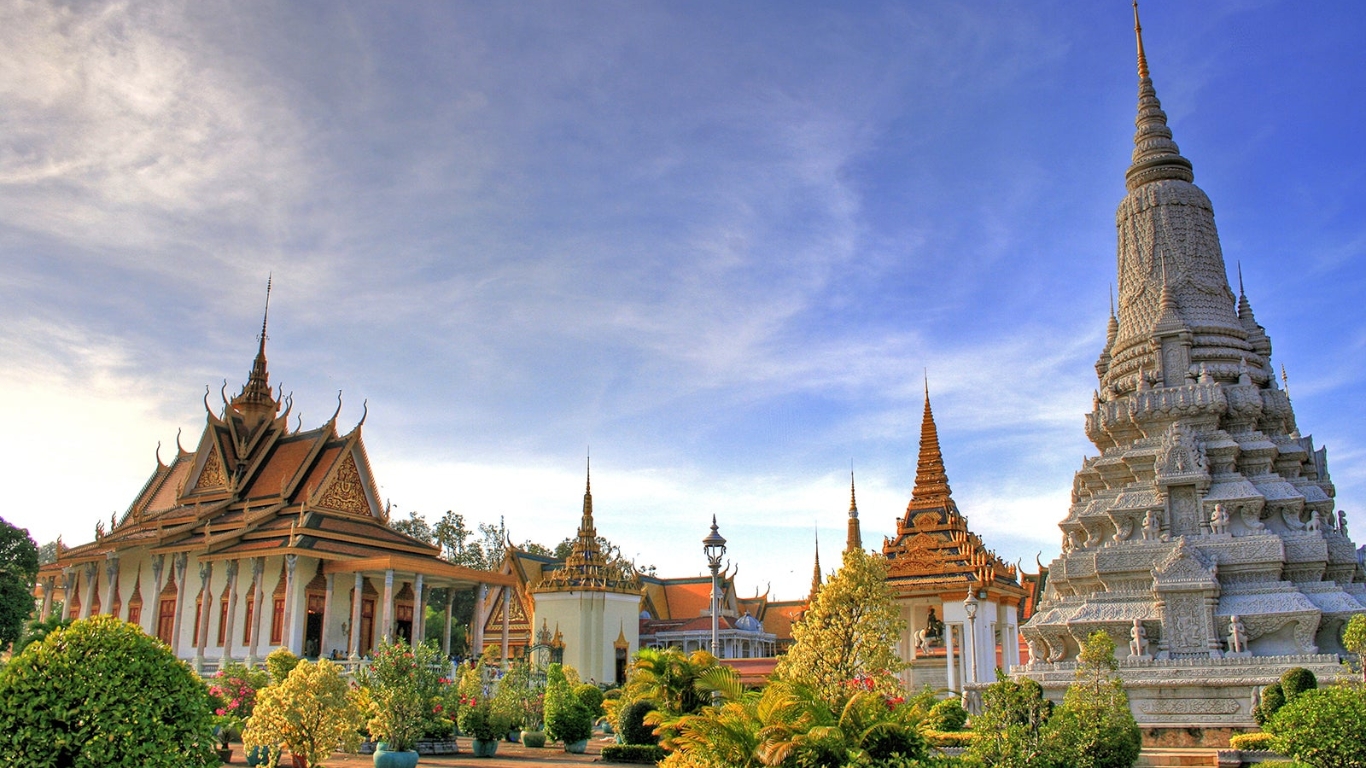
(312, 712)
(233, 691)
(484, 718)
(225, 728)
(401, 682)
(566, 718)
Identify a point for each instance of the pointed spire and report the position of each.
(1256, 334)
(854, 539)
(1156, 156)
(931, 481)
(816, 571)
(1169, 314)
(256, 402)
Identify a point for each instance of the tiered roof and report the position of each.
(587, 567)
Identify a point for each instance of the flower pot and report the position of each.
(224, 754)
(402, 759)
(514, 735)
(484, 747)
(533, 739)
(577, 747)
(262, 756)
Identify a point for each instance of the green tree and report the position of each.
(1095, 728)
(848, 636)
(415, 526)
(1010, 731)
(1354, 640)
(1324, 727)
(101, 693)
(678, 683)
(18, 569)
(566, 718)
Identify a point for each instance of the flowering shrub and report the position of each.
(482, 716)
(232, 692)
(405, 693)
(312, 713)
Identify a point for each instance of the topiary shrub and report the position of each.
(644, 754)
(1325, 728)
(1252, 742)
(101, 693)
(946, 716)
(1273, 698)
(591, 697)
(566, 718)
(631, 723)
(1296, 681)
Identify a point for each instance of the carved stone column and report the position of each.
(419, 611)
(291, 562)
(228, 630)
(111, 577)
(258, 596)
(49, 584)
(92, 577)
(327, 614)
(206, 606)
(477, 620)
(357, 595)
(388, 631)
(68, 589)
(179, 563)
(149, 620)
(952, 679)
(450, 609)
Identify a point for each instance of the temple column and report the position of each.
(507, 622)
(477, 631)
(327, 614)
(231, 618)
(111, 577)
(68, 588)
(258, 596)
(388, 627)
(291, 562)
(179, 563)
(92, 577)
(206, 606)
(419, 612)
(450, 609)
(49, 584)
(952, 679)
(149, 621)
(356, 596)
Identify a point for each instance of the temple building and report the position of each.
(261, 537)
(594, 612)
(960, 601)
(1203, 536)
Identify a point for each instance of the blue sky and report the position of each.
(720, 243)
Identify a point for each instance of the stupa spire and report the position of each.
(1156, 155)
(816, 571)
(854, 540)
(931, 481)
(256, 402)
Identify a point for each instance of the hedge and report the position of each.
(644, 754)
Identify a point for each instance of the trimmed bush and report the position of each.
(533, 739)
(1273, 698)
(644, 754)
(591, 697)
(942, 739)
(947, 715)
(279, 664)
(1252, 742)
(101, 693)
(1324, 727)
(1296, 681)
(566, 718)
(631, 723)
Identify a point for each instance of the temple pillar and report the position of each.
(92, 577)
(258, 608)
(111, 577)
(231, 618)
(327, 614)
(356, 596)
(149, 621)
(952, 680)
(68, 588)
(206, 606)
(477, 631)
(291, 562)
(179, 563)
(49, 584)
(388, 627)
(419, 612)
(450, 609)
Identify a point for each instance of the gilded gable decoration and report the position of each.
(212, 475)
(346, 493)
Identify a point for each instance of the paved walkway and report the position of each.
(509, 756)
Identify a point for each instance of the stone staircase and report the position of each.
(1159, 757)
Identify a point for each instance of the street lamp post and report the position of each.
(715, 548)
(970, 655)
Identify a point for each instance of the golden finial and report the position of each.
(1138, 33)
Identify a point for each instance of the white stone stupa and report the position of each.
(1204, 537)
